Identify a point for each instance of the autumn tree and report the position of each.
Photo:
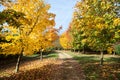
(65, 40)
(78, 35)
(52, 34)
(97, 23)
(31, 32)
(47, 40)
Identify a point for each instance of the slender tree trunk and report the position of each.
(74, 50)
(18, 62)
(101, 59)
(41, 56)
(114, 53)
(84, 50)
(79, 51)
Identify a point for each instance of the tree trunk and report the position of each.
(114, 53)
(18, 62)
(83, 50)
(41, 56)
(101, 59)
(79, 51)
(74, 50)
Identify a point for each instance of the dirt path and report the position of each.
(70, 69)
(63, 55)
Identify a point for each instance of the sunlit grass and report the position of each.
(94, 71)
(52, 55)
(49, 55)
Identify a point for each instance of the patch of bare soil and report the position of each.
(70, 70)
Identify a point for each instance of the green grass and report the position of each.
(51, 55)
(94, 71)
(93, 58)
(86, 59)
(33, 55)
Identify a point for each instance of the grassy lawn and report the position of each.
(94, 71)
(50, 55)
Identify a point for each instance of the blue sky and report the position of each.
(1, 7)
(63, 10)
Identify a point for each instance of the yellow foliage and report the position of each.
(65, 41)
(110, 50)
(30, 37)
(116, 21)
(84, 41)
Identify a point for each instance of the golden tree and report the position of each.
(65, 40)
(97, 24)
(31, 32)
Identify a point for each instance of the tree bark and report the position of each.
(101, 59)
(84, 50)
(114, 53)
(74, 50)
(41, 56)
(18, 62)
(79, 51)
